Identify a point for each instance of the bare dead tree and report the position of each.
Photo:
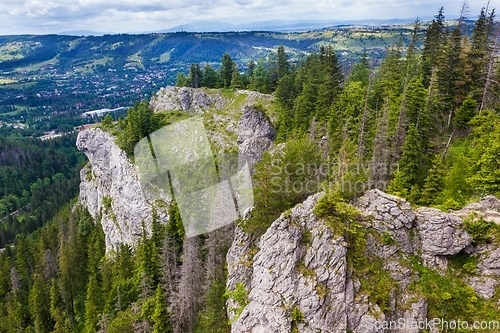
(169, 266)
(14, 279)
(463, 16)
(379, 172)
(364, 119)
(494, 48)
(50, 265)
(217, 244)
(187, 300)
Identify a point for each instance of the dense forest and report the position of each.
(426, 124)
(37, 178)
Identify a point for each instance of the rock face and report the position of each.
(488, 208)
(440, 235)
(256, 134)
(186, 99)
(288, 272)
(300, 266)
(110, 188)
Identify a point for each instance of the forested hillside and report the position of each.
(425, 126)
(36, 179)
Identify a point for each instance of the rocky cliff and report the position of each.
(303, 274)
(110, 187)
(298, 276)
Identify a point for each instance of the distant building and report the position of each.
(101, 112)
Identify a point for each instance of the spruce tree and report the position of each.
(236, 82)
(226, 70)
(283, 65)
(434, 41)
(195, 76)
(410, 172)
(434, 182)
(465, 113)
(182, 81)
(161, 317)
(92, 305)
(210, 77)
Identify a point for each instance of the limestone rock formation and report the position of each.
(186, 99)
(110, 188)
(255, 135)
(299, 266)
(488, 208)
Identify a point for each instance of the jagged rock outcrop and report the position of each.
(301, 267)
(110, 189)
(440, 235)
(488, 208)
(300, 264)
(186, 99)
(389, 214)
(289, 272)
(255, 135)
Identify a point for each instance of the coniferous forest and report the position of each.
(426, 122)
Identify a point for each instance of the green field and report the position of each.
(88, 67)
(165, 57)
(11, 51)
(135, 60)
(38, 66)
(18, 85)
(7, 81)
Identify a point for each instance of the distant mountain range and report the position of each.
(279, 25)
(82, 33)
(273, 25)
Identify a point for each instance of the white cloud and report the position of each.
(38, 16)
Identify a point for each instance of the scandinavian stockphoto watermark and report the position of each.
(177, 162)
(314, 177)
(434, 324)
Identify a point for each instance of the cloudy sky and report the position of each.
(115, 16)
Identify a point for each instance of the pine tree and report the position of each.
(379, 165)
(148, 267)
(92, 305)
(311, 79)
(161, 317)
(259, 78)
(226, 70)
(210, 77)
(450, 74)
(283, 65)
(182, 81)
(38, 299)
(434, 182)
(486, 153)
(236, 82)
(409, 173)
(331, 84)
(361, 71)
(465, 113)
(107, 122)
(251, 68)
(434, 41)
(413, 61)
(195, 76)
(61, 324)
